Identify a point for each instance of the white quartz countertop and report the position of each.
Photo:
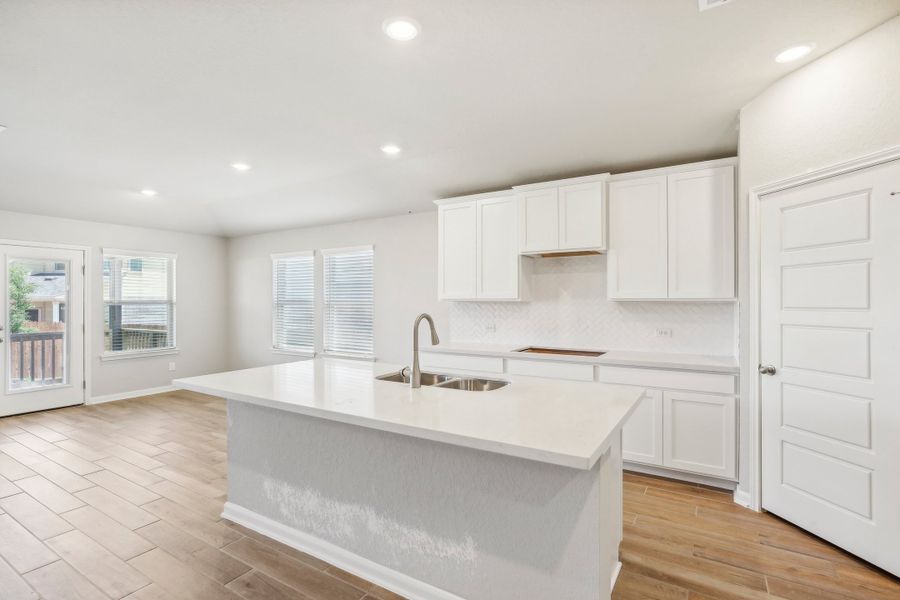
(658, 360)
(565, 423)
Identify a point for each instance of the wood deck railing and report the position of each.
(37, 358)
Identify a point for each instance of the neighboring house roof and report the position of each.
(47, 287)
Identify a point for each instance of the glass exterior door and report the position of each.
(41, 328)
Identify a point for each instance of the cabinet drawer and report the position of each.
(553, 370)
(715, 383)
(459, 362)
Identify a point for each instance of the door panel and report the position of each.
(642, 434)
(581, 216)
(701, 233)
(636, 263)
(829, 324)
(457, 250)
(539, 215)
(699, 433)
(42, 338)
(498, 249)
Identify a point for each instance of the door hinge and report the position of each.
(84, 385)
(82, 270)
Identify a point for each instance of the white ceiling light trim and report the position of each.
(391, 149)
(708, 4)
(794, 53)
(148, 192)
(239, 166)
(402, 29)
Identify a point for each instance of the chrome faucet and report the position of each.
(415, 378)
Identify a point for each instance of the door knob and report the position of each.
(766, 370)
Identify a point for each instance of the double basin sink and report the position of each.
(451, 382)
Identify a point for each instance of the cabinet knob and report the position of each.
(766, 370)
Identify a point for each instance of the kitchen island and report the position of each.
(434, 493)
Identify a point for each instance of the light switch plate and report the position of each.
(665, 332)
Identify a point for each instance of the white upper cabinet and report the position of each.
(582, 212)
(497, 251)
(671, 233)
(563, 216)
(637, 257)
(539, 214)
(701, 233)
(478, 249)
(457, 239)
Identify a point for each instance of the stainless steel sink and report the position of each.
(403, 377)
(450, 382)
(472, 384)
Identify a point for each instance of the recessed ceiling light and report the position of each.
(148, 192)
(390, 149)
(2, 127)
(401, 29)
(241, 167)
(793, 53)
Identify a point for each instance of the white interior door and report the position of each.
(41, 328)
(830, 347)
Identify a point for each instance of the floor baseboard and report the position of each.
(360, 566)
(129, 395)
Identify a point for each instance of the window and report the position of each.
(138, 305)
(293, 313)
(349, 301)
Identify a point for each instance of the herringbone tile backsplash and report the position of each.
(569, 308)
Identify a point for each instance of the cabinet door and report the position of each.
(642, 435)
(699, 433)
(498, 249)
(582, 216)
(636, 263)
(701, 233)
(539, 220)
(456, 251)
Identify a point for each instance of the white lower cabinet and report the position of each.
(686, 422)
(642, 435)
(699, 433)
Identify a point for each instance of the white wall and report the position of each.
(844, 105)
(201, 301)
(405, 283)
(569, 309)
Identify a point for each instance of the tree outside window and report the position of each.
(19, 304)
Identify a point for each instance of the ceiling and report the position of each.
(103, 98)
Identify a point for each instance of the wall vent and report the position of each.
(708, 4)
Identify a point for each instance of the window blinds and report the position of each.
(294, 319)
(349, 301)
(138, 301)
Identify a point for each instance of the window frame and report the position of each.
(306, 352)
(324, 307)
(172, 300)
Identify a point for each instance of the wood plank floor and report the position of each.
(122, 500)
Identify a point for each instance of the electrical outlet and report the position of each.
(665, 332)
(490, 328)
(171, 366)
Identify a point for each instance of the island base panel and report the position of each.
(425, 519)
